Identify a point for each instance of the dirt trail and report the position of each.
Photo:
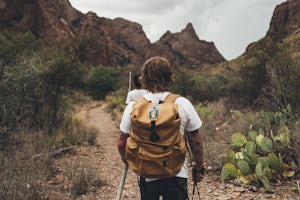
(104, 158)
(111, 164)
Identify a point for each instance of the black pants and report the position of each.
(170, 189)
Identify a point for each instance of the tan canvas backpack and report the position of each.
(155, 148)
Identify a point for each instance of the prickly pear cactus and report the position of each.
(228, 170)
(274, 161)
(266, 145)
(257, 158)
(238, 139)
(244, 167)
(252, 136)
(250, 147)
(283, 136)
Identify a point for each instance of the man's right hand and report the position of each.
(198, 174)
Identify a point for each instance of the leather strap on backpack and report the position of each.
(171, 97)
(140, 100)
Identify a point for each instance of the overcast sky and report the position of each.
(230, 24)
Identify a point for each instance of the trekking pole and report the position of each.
(129, 82)
(196, 187)
(121, 185)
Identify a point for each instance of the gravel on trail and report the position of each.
(104, 159)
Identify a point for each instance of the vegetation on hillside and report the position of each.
(38, 85)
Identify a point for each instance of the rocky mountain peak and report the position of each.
(285, 20)
(185, 48)
(119, 42)
(189, 29)
(284, 23)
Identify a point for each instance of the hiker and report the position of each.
(137, 92)
(156, 78)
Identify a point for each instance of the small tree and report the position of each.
(102, 80)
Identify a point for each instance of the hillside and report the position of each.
(267, 73)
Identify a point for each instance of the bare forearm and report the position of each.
(196, 145)
(122, 145)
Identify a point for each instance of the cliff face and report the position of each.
(117, 42)
(49, 20)
(285, 20)
(285, 23)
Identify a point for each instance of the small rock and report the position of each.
(208, 191)
(269, 196)
(240, 189)
(236, 194)
(253, 189)
(270, 191)
(237, 182)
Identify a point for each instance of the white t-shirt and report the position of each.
(133, 94)
(190, 120)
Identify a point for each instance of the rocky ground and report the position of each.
(104, 166)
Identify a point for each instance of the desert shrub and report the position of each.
(116, 104)
(83, 177)
(20, 69)
(213, 131)
(34, 87)
(248, 86)
(270, 79)
(61, 74)
(284, 73)
(76, 133)
(102, 81)
(207, 87)
(264, 154)
(183, 82)
(15, 44)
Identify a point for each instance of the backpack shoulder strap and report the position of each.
(171, 97)
(140, 100)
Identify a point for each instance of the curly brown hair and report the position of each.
(157, 75)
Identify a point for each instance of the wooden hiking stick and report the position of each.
(129, 82)
(121, 185)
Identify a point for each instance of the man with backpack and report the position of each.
(153, 129)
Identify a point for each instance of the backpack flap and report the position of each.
(165, 115)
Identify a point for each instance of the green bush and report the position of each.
(20, 82)
(207, 87)
(116, 103)
(248, 85)
(183, 82)
(102, 81)
(34, 84)
(285, 80)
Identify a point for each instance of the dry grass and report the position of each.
(83, 177)
(22, 176)
(26, 170)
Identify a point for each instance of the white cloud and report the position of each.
(230, 24)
